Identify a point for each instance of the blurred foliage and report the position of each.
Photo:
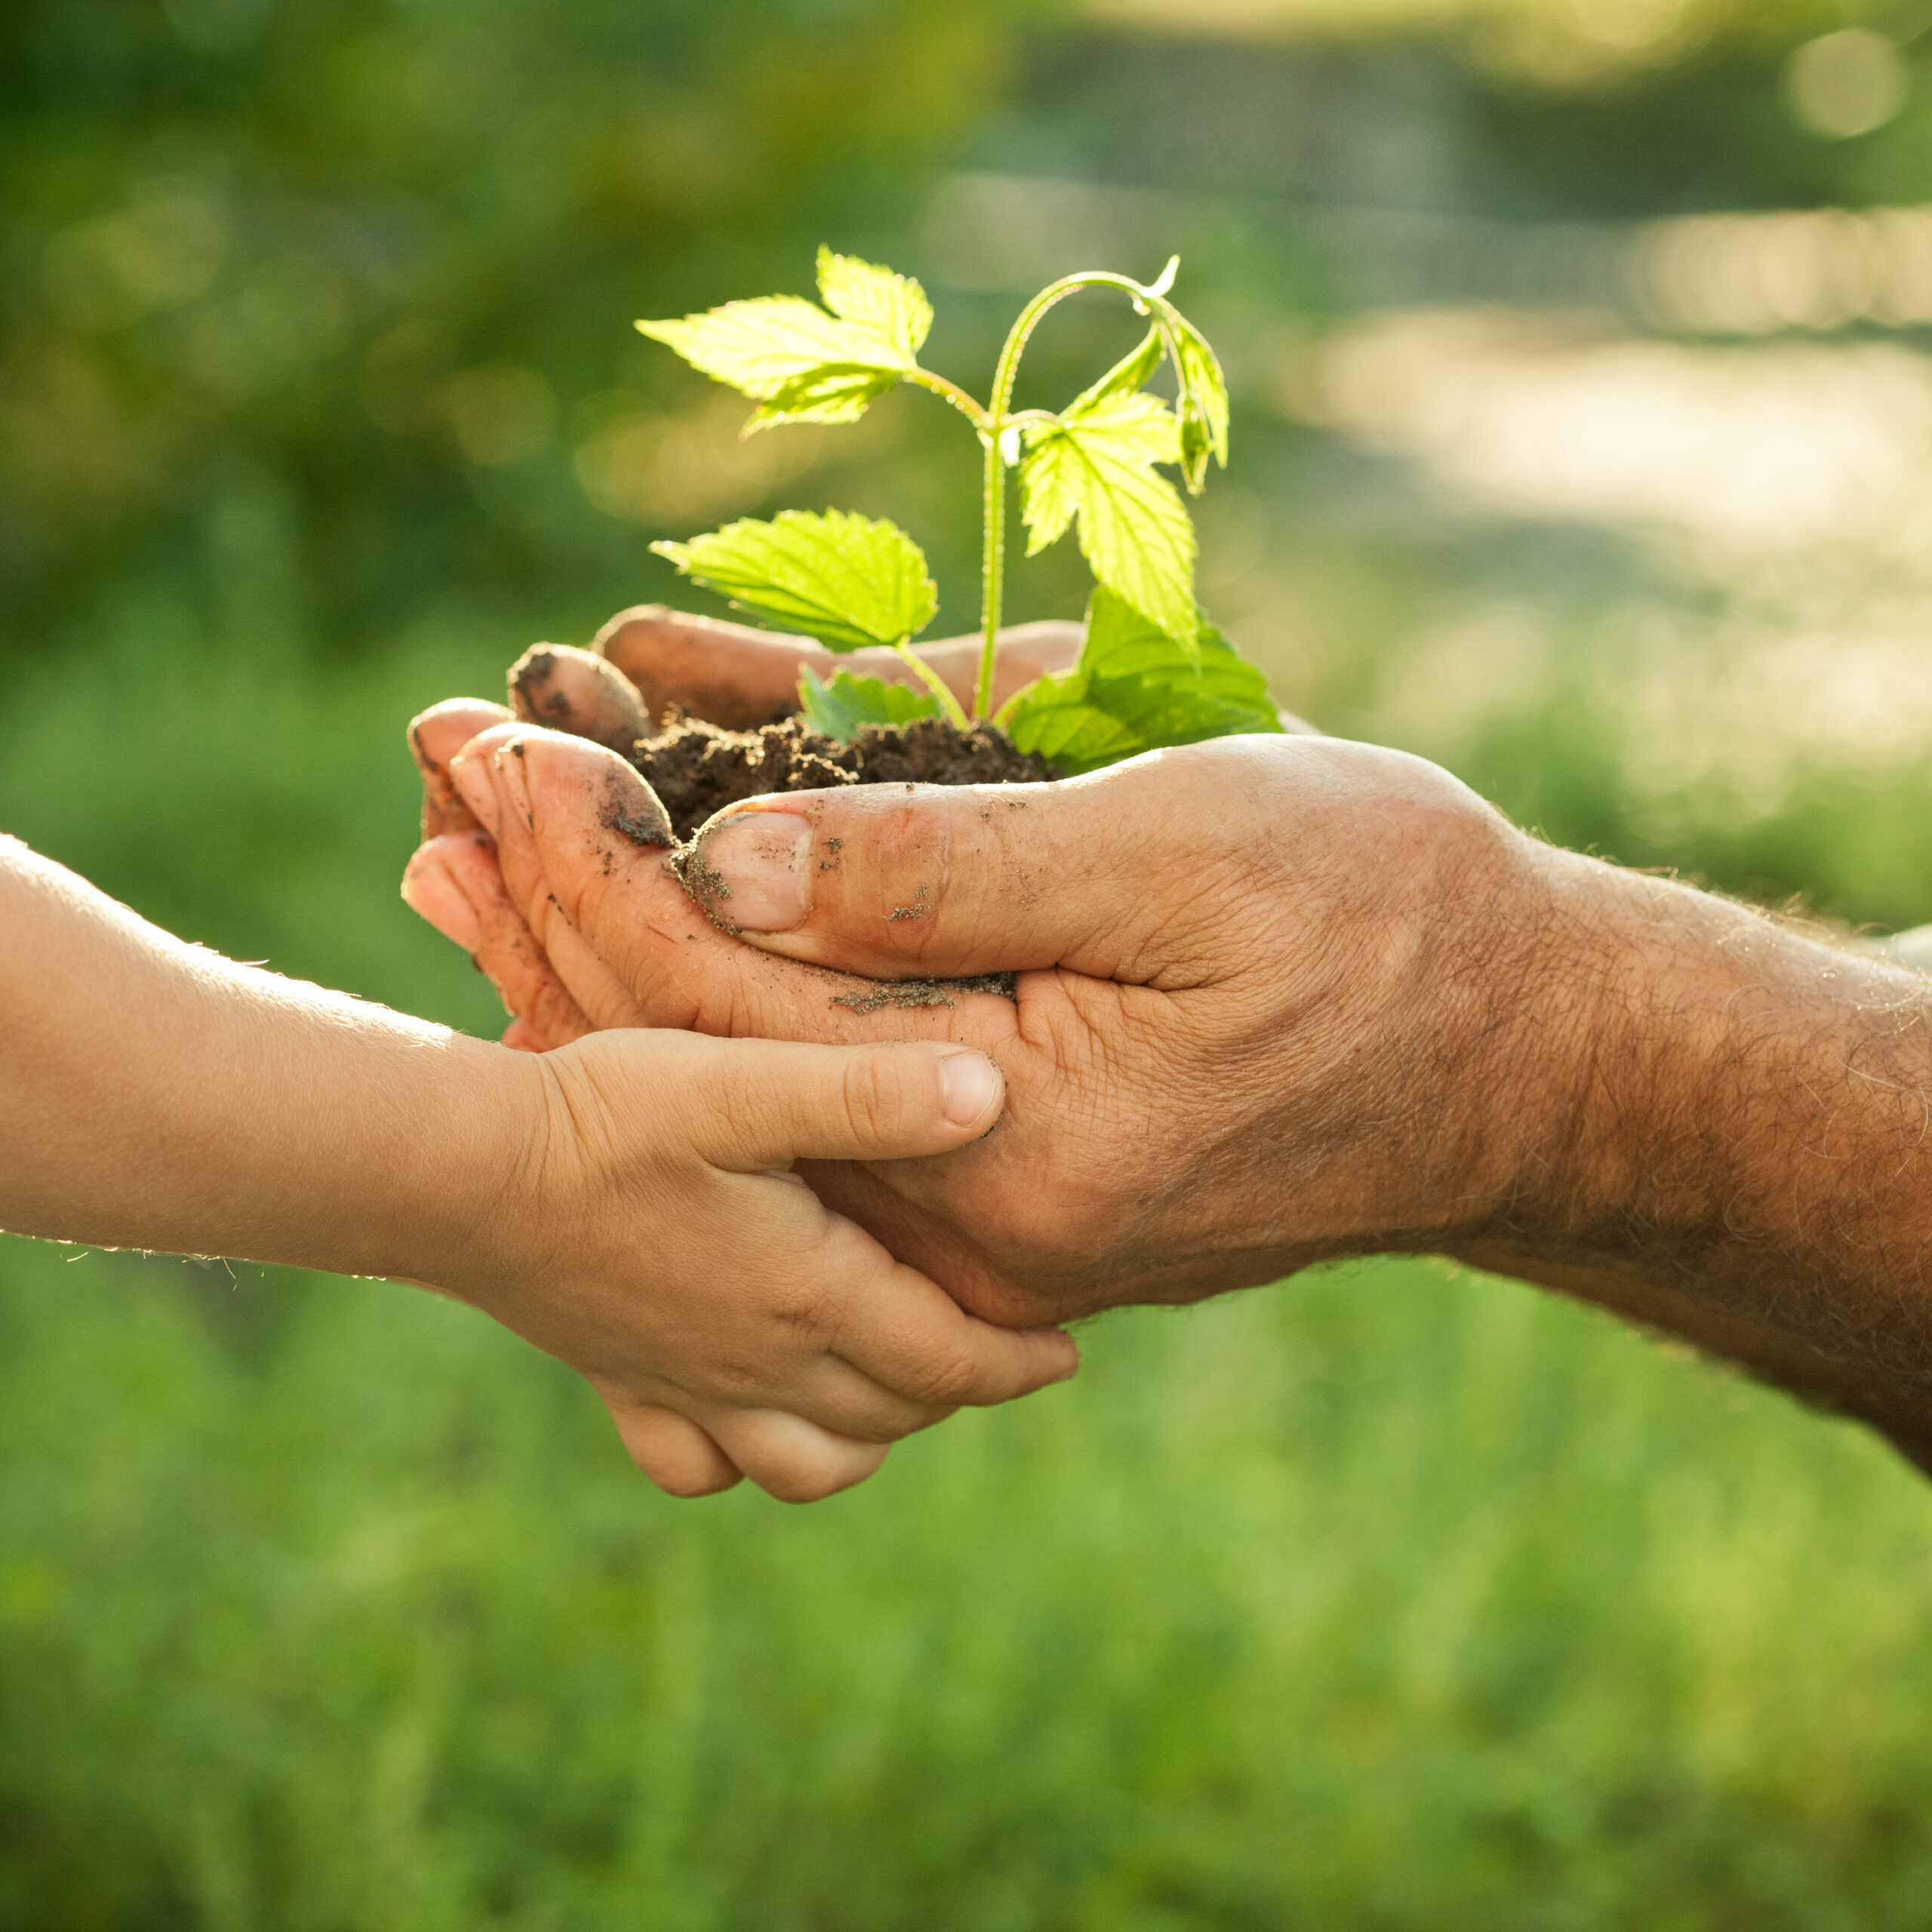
(1394, 1598)
(379, 259)
(1398, 1598)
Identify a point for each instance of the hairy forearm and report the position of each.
(1737, 1140)
(154, 1095)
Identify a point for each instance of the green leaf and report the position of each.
(1128, 373)
(1135, 689)
(1204, 398)
(800, 364)
(1095, 461)
(841, 578)
(893, 307)
(836, 710)
(827, 394)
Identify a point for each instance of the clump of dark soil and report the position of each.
(695, 769)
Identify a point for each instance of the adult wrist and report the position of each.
(1701, 1044)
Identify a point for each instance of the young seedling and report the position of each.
(1153, 672)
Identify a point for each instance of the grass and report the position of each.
(1389, 1599)
(1392, 1598)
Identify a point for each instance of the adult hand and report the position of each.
(1282, 999)
(741, 678)
(1185, 1020)
(645, 663)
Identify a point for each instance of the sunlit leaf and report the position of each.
(893, 307)
(844, 579)
(1135, 689)
(1129, 373)
(800, 364)
(1095, 461)
(827, 396)
(837, 709)
(1204, 398)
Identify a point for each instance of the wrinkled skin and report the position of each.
(1278, 999)
(1184, 1024)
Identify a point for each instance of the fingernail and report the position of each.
(760, 862)
(430, 892)
(969, 1085)
(471, 777)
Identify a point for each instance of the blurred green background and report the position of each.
(1583, 431)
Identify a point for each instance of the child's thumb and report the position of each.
(779, 1102)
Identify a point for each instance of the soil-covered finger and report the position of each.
(525, 845)
(567, 690)
(463, 868)
(732, 676)
(726, 673)
(890, 882)
(620, 895)
(435, 736)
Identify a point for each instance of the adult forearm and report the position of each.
(153, 1094)
(1737, 1140)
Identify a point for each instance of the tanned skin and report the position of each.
(1279, 1000)
(622, 1205)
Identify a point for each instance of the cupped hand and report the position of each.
(1258, 982)
(755, 1330)
(644, 664)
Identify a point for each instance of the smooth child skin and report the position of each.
(1278, 999)
(624, 1203)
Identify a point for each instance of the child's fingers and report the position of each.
(908, 1335)
(768, 1103)
(680, 1457)
(833, 1394)
(788, 1457)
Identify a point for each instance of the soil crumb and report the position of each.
(925, 993)
(696, 769)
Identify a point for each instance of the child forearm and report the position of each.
(153, 1094)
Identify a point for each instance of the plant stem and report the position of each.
(934, 683)
(966, 405)
(996, 421)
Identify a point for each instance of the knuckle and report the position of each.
(874, 1096)
(948, 1379)
(803, 1303)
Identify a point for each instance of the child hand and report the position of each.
(731, 1324)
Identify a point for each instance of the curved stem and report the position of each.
(966, 404)
(993, 569)
(949, 705)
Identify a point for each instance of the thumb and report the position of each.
(900, 880)
(767, 1103)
